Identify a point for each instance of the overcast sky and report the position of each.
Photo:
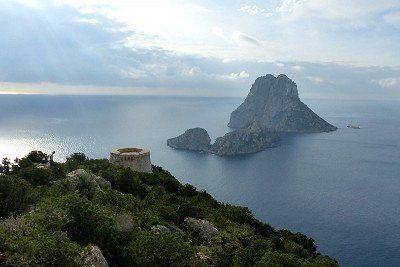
(330, 48)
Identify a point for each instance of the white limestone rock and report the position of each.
(161, 229)
(80, 179)
(93, 257)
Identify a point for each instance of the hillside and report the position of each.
(88, 212)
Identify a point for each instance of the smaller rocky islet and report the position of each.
(196, 139)
(242, 141)
(272, 107)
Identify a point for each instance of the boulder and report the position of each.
(174, 229)
(274, 103)
(93, 257)
(161, 229)
(196, 139)
(200, 230)
(80, 179)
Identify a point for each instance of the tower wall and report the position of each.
(136, 159)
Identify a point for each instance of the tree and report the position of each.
(5, 166)
(74, 161)
(36, 176)
(37, 157)
(15, 195)
(78, 158)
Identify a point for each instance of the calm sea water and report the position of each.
(341, 188)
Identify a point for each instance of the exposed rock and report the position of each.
(243, 141)
(176, 230)
(200, 230)
(93, 257)
(274, 103)
(206, 259)
(81, 179)
(196, 139)
(161, 229)
(124, 222)
(42, 165)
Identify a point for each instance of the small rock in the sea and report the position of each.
(196, 139)
(351, 126)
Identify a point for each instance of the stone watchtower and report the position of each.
(136, 159)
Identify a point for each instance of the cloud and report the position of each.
(48, 50)
(134, 73)
(87, 20)
(255, 10)
(31, 3)
(392, 18)
(299, 30)
(357, 13)
(393, 82)
(297, 68)
(235, 76)
(289, 6)
(316, 79)
(241, 38)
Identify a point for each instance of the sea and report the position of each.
(340, 188)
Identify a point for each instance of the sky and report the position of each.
(331, 48)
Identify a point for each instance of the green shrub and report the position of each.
(37, 176)
(296, 249)
(15, 195)
(301, 239)
(30, 245)
(118, 221)
(279, 259)
(152, 249)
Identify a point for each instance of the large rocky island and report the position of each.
(273, 106)
(274, 103)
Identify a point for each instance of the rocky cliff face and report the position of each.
(274, 103)
(243, 141)
(196, 139)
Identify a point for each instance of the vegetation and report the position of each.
(45, 224)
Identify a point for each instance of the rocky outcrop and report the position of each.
(80, 181)
(274, 103)
(93, 257)
(196, 139)
(251, 139)
(243, 141)
(160, 229)
(200, 230)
